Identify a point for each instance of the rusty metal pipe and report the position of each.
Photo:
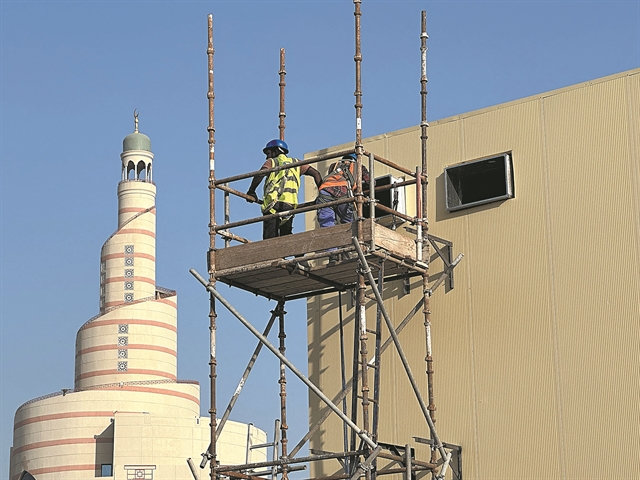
(381, 188)
(391, 164)
(359, 150)
(289, 461)
(425, 282)
(282, 84)
(372, 199)
(237, 193)
(212, 453)
(266, 171)
(231, 236)
(389, 471)
(418, 215)
(286, 213)
(227, 216)
(283, 391)
(396, 213)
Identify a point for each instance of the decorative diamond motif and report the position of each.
(128, 285)
(103, 266)
(128, 297)
(128, 249)
(102, 290)
(103, 277)
(123, 341)
(123, 328)
(123, 353)
(128, 261)
(122, 366)
(128, 273)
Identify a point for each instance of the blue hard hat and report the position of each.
(276, 144)
(350, 156)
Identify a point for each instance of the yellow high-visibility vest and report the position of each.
(281, 186)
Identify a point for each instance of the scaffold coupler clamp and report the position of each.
(206, 457)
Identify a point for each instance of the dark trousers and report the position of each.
(278, 227)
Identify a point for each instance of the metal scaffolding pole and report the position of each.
(361, 323)
(405, 363)
(282, 381)
(360, 432)
(283, 391)
(282, 84)
(424, 221)
(211, 255)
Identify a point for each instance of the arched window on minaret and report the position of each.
(141, 171)
(131, 171)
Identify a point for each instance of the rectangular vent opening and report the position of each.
(479, 182)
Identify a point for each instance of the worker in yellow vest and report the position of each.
(280, 188)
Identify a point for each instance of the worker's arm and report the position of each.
(254, 184)
(312, 172)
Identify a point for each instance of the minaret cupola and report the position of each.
(136, 156)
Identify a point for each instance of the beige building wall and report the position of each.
(127, 410)
(536, 348)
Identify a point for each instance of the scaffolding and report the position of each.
(364, 247)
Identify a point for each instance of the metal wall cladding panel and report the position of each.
(594, 250)
(537, 346)
(444, 148)
(513, 354)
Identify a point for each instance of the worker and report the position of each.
(280, 188)
(339, 183)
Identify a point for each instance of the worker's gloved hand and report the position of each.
(252, 194)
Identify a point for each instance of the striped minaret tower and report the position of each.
(134, 337)
(128, 416)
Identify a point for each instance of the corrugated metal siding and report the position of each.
(537, 350)
(591, 227)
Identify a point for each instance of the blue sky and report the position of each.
(72, 72)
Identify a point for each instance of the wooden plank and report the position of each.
(394, 242)
(275, 248)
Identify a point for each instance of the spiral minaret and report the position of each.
(135, 336)
(127, 416)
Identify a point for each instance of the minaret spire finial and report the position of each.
(135, 120)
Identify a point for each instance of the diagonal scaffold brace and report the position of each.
(375, 448)
(446, 457)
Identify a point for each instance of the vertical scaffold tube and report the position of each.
(361, 321)
(211, 257)
(426, 310)
(282, 84)
(283, 392)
